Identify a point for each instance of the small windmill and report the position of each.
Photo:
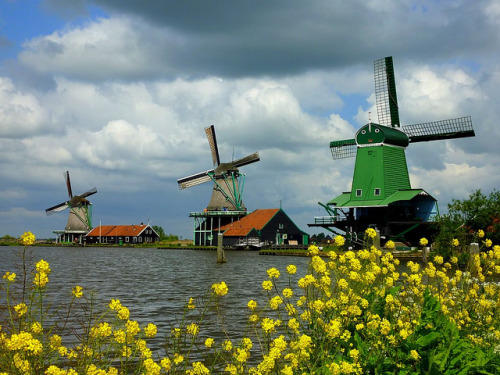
(80, 210)
(381, 194)
(226, 204)
(228, 181)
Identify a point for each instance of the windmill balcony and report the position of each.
(326, 219)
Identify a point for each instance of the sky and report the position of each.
(118, 93)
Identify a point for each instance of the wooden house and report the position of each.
(263, 227)
(122, 234)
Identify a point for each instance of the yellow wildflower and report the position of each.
(291, 269)
(10, 276)
(77, 291)
(423, 241)
(371, 233)
(209, 342)
(150, 330)
(455, 242)
(252, 305)
(414, 354)
(267, 285)
(287, 293)
(28, 238)
(178, 358)
(390, 245)
(36, 327)
(273, 273)
(21, 309)
(191, 304)
(220, 289)
(480, 233)
(192, 329)
(339, 240)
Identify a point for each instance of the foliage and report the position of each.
(163, 236)
(351, 313)
(465, 221)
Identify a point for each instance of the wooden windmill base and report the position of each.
(206, 222)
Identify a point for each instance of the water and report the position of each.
(155, 284)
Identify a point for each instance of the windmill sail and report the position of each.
(446, 129)
(227, 191)
(343, 149)
(385, 93)
(212, 142)
(195, 179)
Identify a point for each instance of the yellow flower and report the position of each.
(150, 330)
(454, 260)
(414, 354)
(220, 289)
(438, 259)
(10, 276)
(273, 273)
(28, 238)
(287, 293)
(488, 242)
(339, 240)
(313, 250)
(209, 342)
(423, 241)
(36, 327)
(178, 358)
(390, 245)
(192, 329)
(267, 285)
(132, 327)
(252, 305)
(78, 291)
(42, 266)
(455, 242)
(371, 233)
(275, 302)
(166, 364)
(480, 233)
(291, 269)
(227, 345)
(191, 304)
(21, 309)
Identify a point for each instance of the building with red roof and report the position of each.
(122, 234)
(270, 226)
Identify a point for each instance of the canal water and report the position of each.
(155, 284)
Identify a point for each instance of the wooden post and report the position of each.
(473, 250)
(425, 254)
(221, 258)
(376, 240)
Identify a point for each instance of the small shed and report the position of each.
(122, 234)
(270, 226)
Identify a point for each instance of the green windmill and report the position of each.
(381, 195)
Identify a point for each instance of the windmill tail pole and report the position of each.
(221, 258)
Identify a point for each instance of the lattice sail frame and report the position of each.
(445, 129)
(385, 93)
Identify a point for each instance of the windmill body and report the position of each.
(226, 203)
(80, 214)
(381, 196)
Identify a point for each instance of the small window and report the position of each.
(127, 239)
(377, 191)
(359, 192)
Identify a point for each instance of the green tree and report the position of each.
(160, 232)
(466, 217)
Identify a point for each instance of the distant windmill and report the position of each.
(80, 214)
(381, 194)
(228, 182)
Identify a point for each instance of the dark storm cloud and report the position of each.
(246, 38)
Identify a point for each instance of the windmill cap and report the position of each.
(372, 134)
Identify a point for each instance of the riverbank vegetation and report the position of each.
(355, 312)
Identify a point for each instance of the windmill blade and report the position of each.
(385, 93)
(88, 193)
(212, 141)
(246, 160)
(343, 149)
(195, 179)
(446, 129)
(68, 184)
(57, 208)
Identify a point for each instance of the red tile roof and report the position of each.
(255, 220)
(117, 230)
